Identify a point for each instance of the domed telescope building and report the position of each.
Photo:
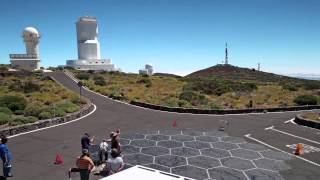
(30, 60)
(89, 47)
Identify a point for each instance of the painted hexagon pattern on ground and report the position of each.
(201, 155)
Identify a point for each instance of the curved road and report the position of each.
(34, 153)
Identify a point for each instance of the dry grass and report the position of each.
(312, 116)
(166, 91)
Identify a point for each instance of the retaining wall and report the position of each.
(48, 122)
(306, 122)
(222, 111)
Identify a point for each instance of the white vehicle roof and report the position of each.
(144, 173)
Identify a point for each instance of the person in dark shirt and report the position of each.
(115, 140)
(6, 157)
(86, 141)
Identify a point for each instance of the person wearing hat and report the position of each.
(85, 165)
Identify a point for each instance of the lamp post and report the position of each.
(80, 84)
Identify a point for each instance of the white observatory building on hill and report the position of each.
(29, 61)
(89, 47)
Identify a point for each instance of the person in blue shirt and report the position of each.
(6, 157)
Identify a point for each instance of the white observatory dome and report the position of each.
(30, 31)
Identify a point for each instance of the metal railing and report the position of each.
(23, 56)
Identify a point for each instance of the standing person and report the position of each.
(115, 162)
(104, 150)
(85, 165)
(115, 140)
(6, 157)
(86, 141)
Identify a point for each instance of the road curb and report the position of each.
(222, 111)
(306, 122)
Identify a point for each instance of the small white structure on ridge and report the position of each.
(89, 47)
(29, 61)
(148, 70)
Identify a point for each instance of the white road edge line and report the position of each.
(269, 128)
(263, 143)
(291, 120)
(289, 134)
(94, 109)
(243, 114)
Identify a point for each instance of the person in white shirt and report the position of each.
(104, 150)
(115, 162)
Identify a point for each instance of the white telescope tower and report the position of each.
(30, 60)
(89, 48)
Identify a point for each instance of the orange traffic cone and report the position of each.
(299, 149)
(58, 159)
(174, 124)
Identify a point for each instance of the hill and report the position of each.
(204, 92)
(166, 75)
(234, 73)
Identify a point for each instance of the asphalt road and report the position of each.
(34, 153)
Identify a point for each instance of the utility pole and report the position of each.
(258, 66)
(226, 55)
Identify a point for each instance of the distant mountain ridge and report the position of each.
(166, 75)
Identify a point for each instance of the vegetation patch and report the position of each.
(312, 115)
(26, 97)
(307, 99)
(226, 87)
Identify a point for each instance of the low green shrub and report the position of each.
(145, 81)
(290, 87)
(59, 112)
(23, 120)
(170, 102)
(213, 105)
(45, 115)
(100, 82)
(18, 112)
(30, 86)
(83, 76)
(193, 97)
(183, 103)
(33, 110)
(4, 118)
(68, 107)
(13, 102)
(311, 85)
(217, 87)
(5, 110)
(187, 95)
(90, 71)
(307, 99)
(3, 68)
(69, 67)
(25, 86)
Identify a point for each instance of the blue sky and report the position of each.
(176, 36)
